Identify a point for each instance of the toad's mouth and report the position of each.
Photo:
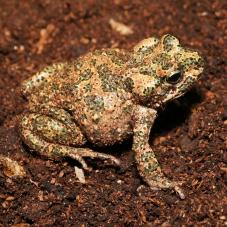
(175, 94)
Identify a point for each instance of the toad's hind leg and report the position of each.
(53, 138)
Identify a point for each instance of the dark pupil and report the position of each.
(174, 78)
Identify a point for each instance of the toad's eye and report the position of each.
(174, 78)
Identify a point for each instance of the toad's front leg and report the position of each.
(148, 165)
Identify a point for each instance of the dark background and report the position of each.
(189, 137)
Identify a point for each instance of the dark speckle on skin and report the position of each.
(128, 84)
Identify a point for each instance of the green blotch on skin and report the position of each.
(110, 82)
(139, 134)
(50, 128)
(128, 84)
(164, 60)
(145, 157)
(147, 91)
(147, 71)
(117, 57)
(56, 151)
(187, 63)
(195, 63)
(151, 167)
(94, 103)
(85, 75)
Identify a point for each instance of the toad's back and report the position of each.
(99, 72)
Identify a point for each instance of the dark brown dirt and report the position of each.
(189, 137)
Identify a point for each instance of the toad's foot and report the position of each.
(156, 180)
(152, 174)
(79, 154)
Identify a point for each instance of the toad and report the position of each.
(105, 97)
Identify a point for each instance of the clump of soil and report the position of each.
(189, 136)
